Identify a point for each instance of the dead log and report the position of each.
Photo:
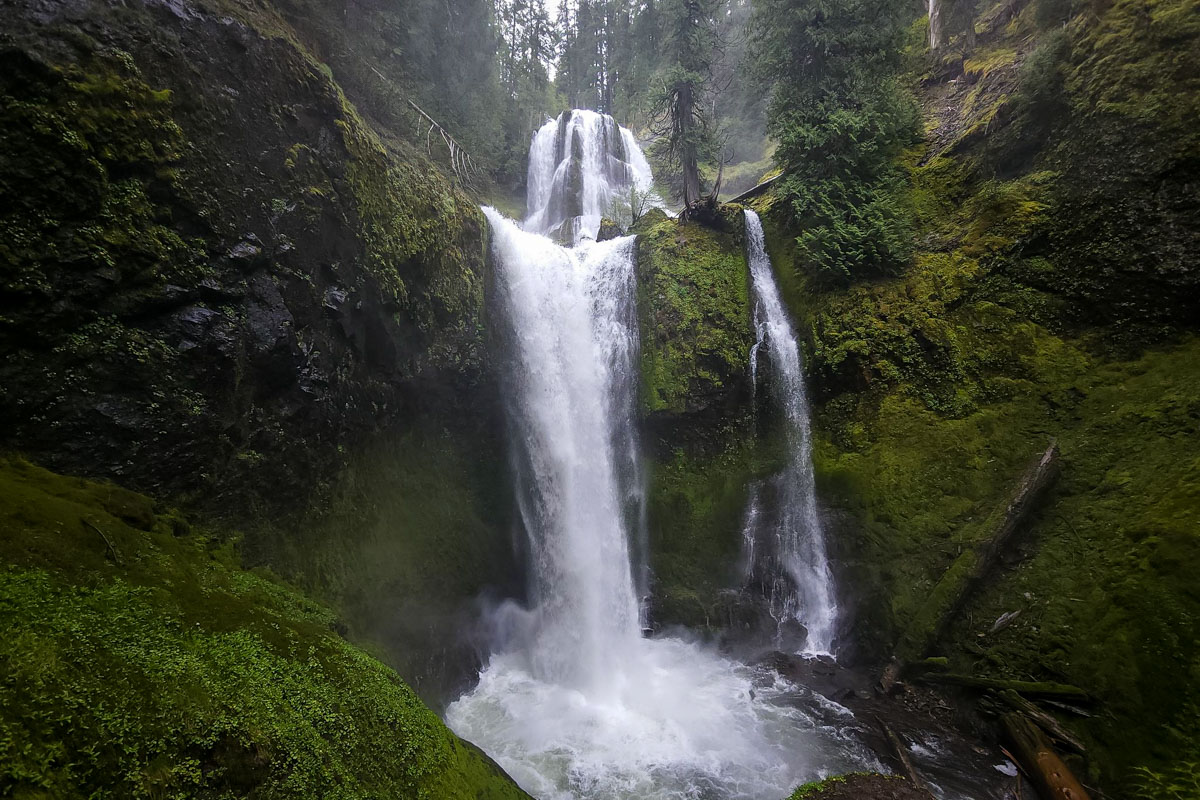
(1054, 781)
(1043, 720)
(756, 190)
(1067, 707)
(970, 569)
(1032, 688)
(902, 756)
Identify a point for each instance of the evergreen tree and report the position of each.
(681, 110)
(841, 119)
(526, 44)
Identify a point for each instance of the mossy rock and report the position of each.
(140, 663)
(860, 786)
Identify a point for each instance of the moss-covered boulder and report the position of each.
(140, 661)
(694, 310)
(862, 786)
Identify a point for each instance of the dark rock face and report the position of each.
(196, 298)
(219, 287)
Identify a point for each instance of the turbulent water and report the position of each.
(785, 552)
(575, 702)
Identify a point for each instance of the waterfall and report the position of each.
(785, 553)
(579, 164)
(575, 702)
(574, 337)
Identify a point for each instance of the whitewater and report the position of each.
(575, 701)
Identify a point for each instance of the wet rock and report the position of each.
(608, 230)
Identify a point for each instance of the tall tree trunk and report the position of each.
(935, 24)
(968, 13)
(687, 152)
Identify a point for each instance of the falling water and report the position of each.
(575, 702)
(788, 558)
(579, 164)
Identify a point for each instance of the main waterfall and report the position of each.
(786, 556)
(575, 702)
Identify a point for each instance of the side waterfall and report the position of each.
(785, 553)
(575, 702)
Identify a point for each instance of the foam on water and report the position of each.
(576, 703)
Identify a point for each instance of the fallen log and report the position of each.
(1033, 688)
(1067, 707)
(902, 756)
(970, 569)
(756, 190)
(1053, 779)
(1043, 720)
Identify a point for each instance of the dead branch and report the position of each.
(107, 544)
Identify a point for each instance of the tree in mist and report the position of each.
(681, 111)
(841, 119)
(526, 48)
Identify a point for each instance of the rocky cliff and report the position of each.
(225, 286)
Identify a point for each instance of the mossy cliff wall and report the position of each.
(140, 661)
(222, 285)
(1052, 296)
(700, 427)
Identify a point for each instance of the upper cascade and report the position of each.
(579, 164)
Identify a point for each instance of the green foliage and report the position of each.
(139, 661)
(841, 120)
(1181, 782)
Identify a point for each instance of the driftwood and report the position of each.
(970, 569)
(1043, 720)
(1054, 781)
(1032, 688)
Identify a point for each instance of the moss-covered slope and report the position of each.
(1051, 296)
(138, 660)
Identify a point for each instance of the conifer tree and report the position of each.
(841, 119)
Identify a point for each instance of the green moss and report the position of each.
(856, 784)
(414, 532)
(82, 151)
(696, 505)
(693, 301)
(424, 239)
(139, 661)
